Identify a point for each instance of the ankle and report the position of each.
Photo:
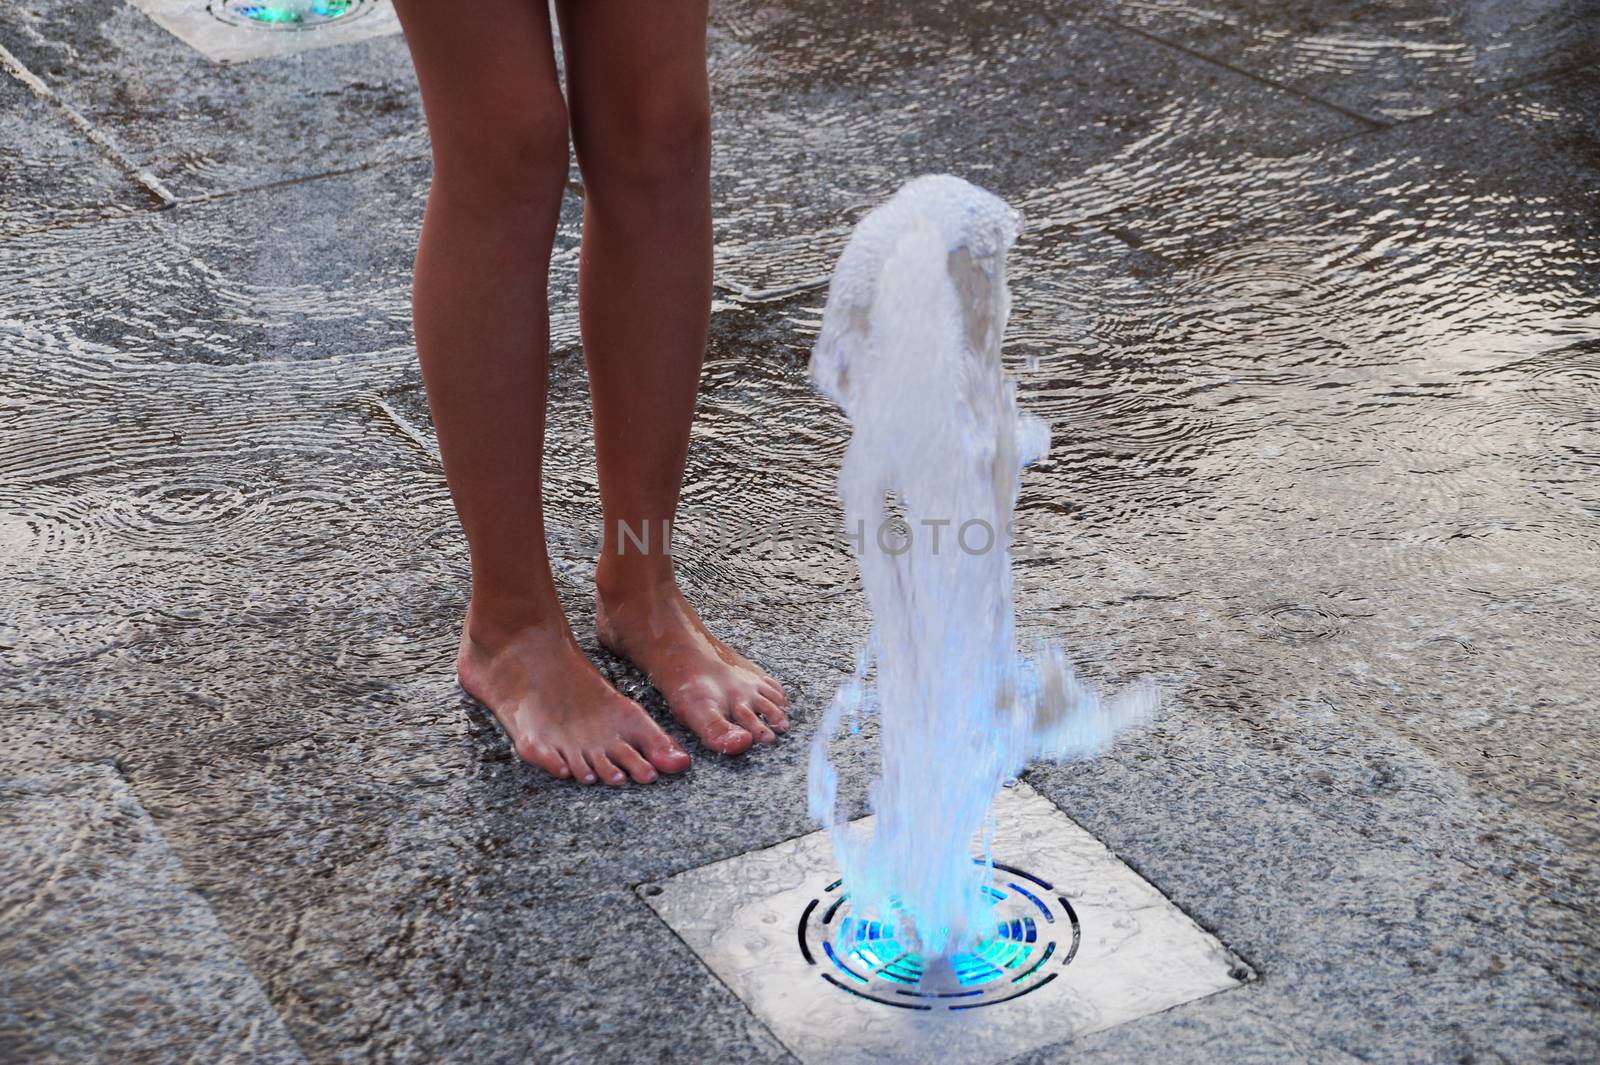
(493, 622)
(624, 579)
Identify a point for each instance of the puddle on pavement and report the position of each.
(1329, 395)
(1327, 410)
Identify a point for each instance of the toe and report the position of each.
(546, 757)
(745, 715)
(581, 772)
(632, 762)
(666, 755)
(657, 746)
(705, 720)
(605, 769)
(771, 712)
(773, 692)
(734, 740)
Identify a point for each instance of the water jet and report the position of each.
(960, 896)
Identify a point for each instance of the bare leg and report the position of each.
(636, 79)
(499, 132)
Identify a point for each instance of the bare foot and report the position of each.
(560, 713)
(713, 690)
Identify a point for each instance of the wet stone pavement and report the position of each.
(1310, 296)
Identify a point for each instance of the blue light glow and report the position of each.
(873, 947)
(1031, 897)
(291, 13)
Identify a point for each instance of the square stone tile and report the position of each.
(1082, 944)
(233, 31)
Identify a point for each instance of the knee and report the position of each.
(660, 143)
(514, 168)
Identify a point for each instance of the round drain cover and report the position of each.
(1036, 932)
(286, 14)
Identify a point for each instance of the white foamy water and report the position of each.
(910, 349)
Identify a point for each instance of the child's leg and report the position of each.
(499, 133)
(636, 81)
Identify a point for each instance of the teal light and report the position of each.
(866, 956)
(872, 947)
(282, 14)
(268, 13)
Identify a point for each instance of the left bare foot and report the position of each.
(715, 692)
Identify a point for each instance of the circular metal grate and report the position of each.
(286, 14)
(1036, 932)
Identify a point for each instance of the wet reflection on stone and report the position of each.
(1326, 372)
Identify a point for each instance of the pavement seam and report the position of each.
(1460, 103)
(148, 181)
(301, 179)
(688, 947)
(201, 199)
(1093, 222)
(1364, 119)
(405, 428)
(118, 772)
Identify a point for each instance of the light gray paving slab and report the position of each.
(106, 952)
(236, 31)
(1103, 948)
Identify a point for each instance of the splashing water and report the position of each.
(910, 349)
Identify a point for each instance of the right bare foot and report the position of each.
(560, 713)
